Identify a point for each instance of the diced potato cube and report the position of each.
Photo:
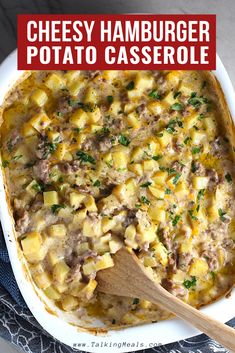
(115, 108)
(210, 124)
(31, 243)
(161, 253)
(173, 78)
(137, 154)
(61, 288)
(129, 107)
(91, 229)
(157, 214)
(108, 224)
(94, 116)
(54, 82)
(39, 97)
(155, 108)
(114, 245)
(80, 215)
(40, 121)
(200, 182)
(69, 303)
(21, 155)
(79, 118)
(120, 160)
(130, 234)
(52, 293)
(134, 94)
(150, 261)
(143, 82)
(133, 121)
(71, 75)
(90, 204)
(57, 230)
(110, 75)
(181, 190)
(75, 86)
(147, 234)
(89, 267)
(28, 130)
(76, 199)
(160, 177)
(33, 188)
(150, 165)
(157, 192)
(53, 257)
(91, 96)
(198, 268)
(42, 280)
(185, 89)
(164, 138)
(169, 98)
(88, 291)
(50, 198)
(60, 272)
(197, 137)
(60, 151)
(136, 168)
(190, 121)
(53, 135)
(145, 304)
(125, 191)
(104, 261)
(186, 247)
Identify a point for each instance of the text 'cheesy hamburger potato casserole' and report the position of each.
(98, 160)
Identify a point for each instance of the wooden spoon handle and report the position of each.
(213, 328)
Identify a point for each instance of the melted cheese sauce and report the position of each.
(95, 161)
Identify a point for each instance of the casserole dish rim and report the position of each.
(47, 314)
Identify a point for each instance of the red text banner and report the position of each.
(117, 42)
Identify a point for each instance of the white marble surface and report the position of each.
(224, 9)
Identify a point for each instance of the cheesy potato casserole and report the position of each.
(98, 160)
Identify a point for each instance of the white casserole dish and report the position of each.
(66, 327)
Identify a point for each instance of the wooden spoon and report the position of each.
(129, 278)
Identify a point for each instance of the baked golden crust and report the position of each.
(98, 160)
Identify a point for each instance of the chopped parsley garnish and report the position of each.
(130, 85)
(124, 140)
(16, 158)
(135, 301)
(177, 94)
(168, 191)
(176, 178)
(77, 129)
(196, 150)
(189, 284)
(193, 167)
(190, 212)
(59, 114)
(157, 157)
(49, 148)
(186, 141)
(85, 157)
(145, 185)
(177, 107)
(195, 101)
(159, 134)
(5, 163)
(55, 208)
(110, 99)
(200, 194)
(228, 177)
(176, 220)
(39, 187)
(144, 200)
(171, 126)
(96, 183)
(200, 117)
(213, 275)
(222, 214)
(154, 94)
(60, 179)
